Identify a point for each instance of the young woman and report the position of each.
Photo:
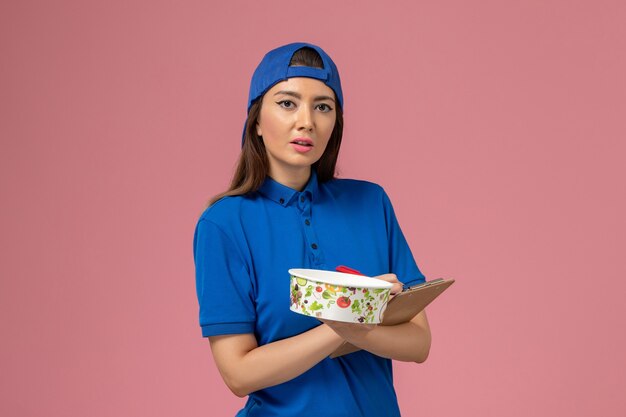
(285, 209)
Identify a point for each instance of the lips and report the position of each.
(303, 141)
(302, 145)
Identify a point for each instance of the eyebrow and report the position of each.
(298, 96)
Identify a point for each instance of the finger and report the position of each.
(393, 279)
(397, 287)
(388, 277)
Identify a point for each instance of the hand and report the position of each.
(397, 285)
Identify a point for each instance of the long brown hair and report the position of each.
(253, 165)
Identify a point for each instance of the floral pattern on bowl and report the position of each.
(337, 302)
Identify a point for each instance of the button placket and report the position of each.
(315, 250)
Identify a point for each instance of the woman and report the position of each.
(285, 209)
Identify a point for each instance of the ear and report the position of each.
(259, 132)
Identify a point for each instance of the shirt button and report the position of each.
(302, 199)
(307, 222)
(314, 245)
(281, 201)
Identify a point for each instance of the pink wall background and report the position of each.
(497, 128)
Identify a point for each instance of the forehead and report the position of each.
(303, 86)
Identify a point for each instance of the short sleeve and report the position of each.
(401, 259)
(223, 284)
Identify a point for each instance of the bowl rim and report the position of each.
(340, 278)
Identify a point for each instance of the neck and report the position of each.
(295, 179)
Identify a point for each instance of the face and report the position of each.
(296, 120)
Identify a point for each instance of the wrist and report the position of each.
(351, 332)
(331, 335)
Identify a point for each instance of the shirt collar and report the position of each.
(284, 195)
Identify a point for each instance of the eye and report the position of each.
(286, 104)
(325, 108)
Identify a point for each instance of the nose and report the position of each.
(305, 118)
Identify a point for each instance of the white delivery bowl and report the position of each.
(338, 296)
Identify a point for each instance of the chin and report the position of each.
(304, 160)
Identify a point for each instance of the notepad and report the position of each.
(403, 307)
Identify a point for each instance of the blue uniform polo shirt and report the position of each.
(243, 248)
